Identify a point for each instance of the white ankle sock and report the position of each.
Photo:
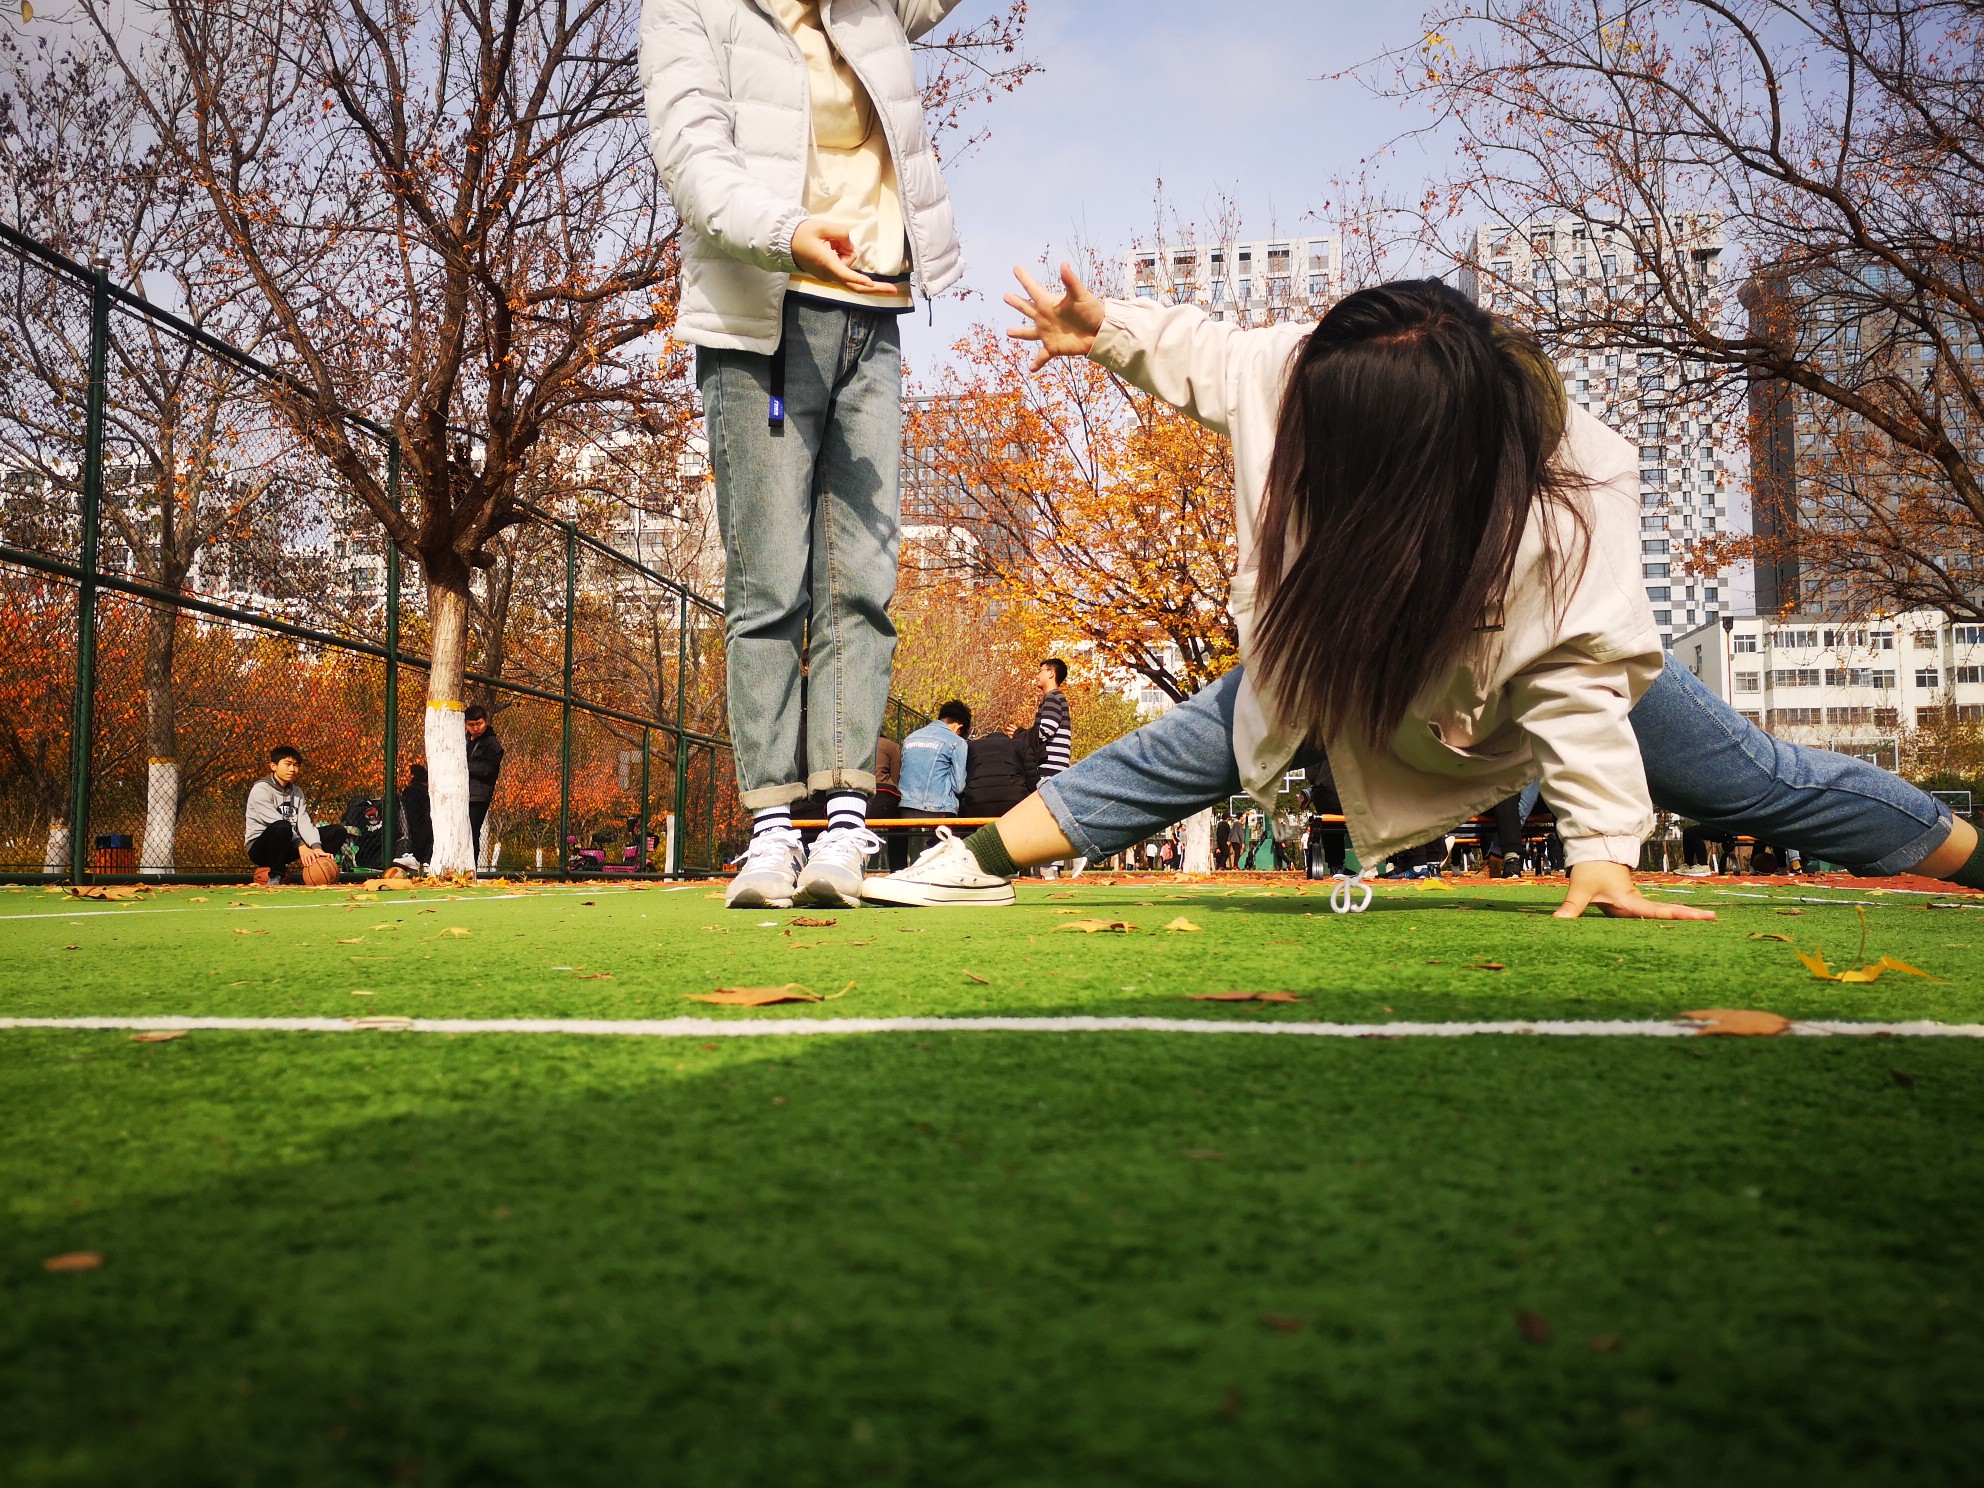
(849, 809)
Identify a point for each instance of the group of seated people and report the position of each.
(943, 770)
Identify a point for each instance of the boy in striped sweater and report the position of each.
(1050, 722)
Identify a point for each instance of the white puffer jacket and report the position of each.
(728, 110)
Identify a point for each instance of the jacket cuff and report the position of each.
(1117, 343)
(1624, 850)
(782, 233)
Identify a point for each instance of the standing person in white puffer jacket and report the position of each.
(790, 136)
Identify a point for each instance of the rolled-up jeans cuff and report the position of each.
(772, 795)
(1064, 818)
(842, 780)
(1902, 859)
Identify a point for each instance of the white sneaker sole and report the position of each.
(823, 895)
(916, 895)
(755, 899)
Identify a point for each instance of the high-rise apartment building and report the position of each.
(1255, 283)
(1555, 275)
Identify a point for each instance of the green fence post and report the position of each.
(82, 724)
(565, 711)
(681, 738)
(647, 766)
(390, 802)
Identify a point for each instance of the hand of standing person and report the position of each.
(1610, 886)
(1064, 324)
(827, 252)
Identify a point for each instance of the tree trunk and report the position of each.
(1197, 854)
(55, 857)
(162, 739)
(447, 742)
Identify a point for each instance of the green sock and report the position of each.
(988, 849)
(1970, 875)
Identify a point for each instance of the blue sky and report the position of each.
(1213, 98)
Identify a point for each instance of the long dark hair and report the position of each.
(1414, 440)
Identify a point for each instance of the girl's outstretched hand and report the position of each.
(1610, 886)
(1063, 324)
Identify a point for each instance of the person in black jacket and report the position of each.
(416, 815)
(485, 763)
(1000, 771)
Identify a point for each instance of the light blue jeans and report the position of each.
(809, 509)
(1703, 760)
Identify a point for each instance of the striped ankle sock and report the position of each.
(771, 819)
(849, 809)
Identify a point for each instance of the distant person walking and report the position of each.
(1051, 724)
(485, 763)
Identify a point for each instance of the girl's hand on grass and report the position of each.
(1064, 324)
(1610, 886)
(827, 253)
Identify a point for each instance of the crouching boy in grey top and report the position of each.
(279, 829)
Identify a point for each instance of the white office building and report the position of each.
(1255, 283)
(1853, 687)
(1544, 273)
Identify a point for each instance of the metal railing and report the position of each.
(184, 584)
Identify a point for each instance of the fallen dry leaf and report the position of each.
(197, 899)
(1064, 894)
(1790, 911)
(455, 931)
(1092, 927)
(1486, 966)
(1533, 1328)
(1739, 1022)
(1762, 935)
(383, 1022)
(355, 940)
(1432, 883)
(239, 931)
(808, 922)
(1246, 997)
(117, 893)
(158, 1035)
(386, 927)
(757, 996)
(1181, 923)
(982, 981)
(593, 976)
(363, 992)
(75, 1260)
(1859, 975)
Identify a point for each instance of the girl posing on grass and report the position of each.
(1437, 601)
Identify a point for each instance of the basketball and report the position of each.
(320, 872)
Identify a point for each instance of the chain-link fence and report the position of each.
(185, 584)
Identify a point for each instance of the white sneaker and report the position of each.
(944, 874)
(834, 868)
(407, 862)
(1696, 870)
(770, 873)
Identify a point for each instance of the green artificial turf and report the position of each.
(1413, 955)
(979, 1258)
(990, 1259)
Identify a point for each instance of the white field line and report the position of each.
(799, 1027)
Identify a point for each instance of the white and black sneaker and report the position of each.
(945, 874)
(770, 875)
(832, 876)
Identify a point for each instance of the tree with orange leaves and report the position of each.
(1098, 515)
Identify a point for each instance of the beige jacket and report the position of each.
(1548, 698)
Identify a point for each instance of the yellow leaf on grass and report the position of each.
(239, 931)
(974, 976)
(158, 1035)
(385, 927)
(1181, 923)
(1432, 883)
(1892, 964)
(1761, 935)
(382, 1022)
(355, 940)
(1816, 964)
(758, 996)
(1739, 1022)
(456, 931)
(75, 1260)
(1092, 927)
